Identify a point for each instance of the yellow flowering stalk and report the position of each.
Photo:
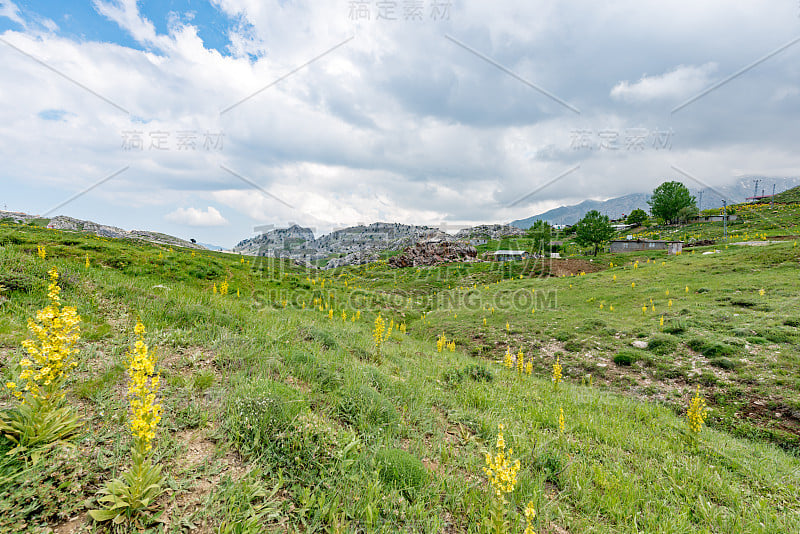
(508, 359)
(133, 495)
(142, 389)
(561, 419)
(520, 362)
(530, 515)
(441, 343)
(501, 472)
(41, 251)
(42, 420)
(55, 333)
(697, 413)
(223, 288)
(87, 260)
(377, 332)
(557, 372)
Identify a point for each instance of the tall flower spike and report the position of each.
(142, 389)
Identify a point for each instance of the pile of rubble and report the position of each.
(434, 254)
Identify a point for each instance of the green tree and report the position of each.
(687, 213)
(593, 229)
(540, 232)
(669, 199)
(637, 217)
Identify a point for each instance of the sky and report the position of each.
(209, 120)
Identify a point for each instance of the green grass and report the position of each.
(278, 418)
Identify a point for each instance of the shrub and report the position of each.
(723, 363)
(710, 349)
(778, 336)
(16, 282)
(573, 346)
(324, 338)
(401, 470)
(202, 380)
(260, 413)
(271, 421)
(625, 358)
(675, 327)
(794, 321)
(661, 345)
(714, 350)
(590, 325)
(365, 408)
(475, 372)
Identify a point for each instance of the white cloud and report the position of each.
(9, 10)
(126, 14)
(681, 82)
(398, 124)
(197, 217)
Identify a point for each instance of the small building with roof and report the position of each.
(510, 255)
(645, 245)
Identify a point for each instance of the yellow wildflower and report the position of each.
(500, 470)
(142, 389)
(55, 333)
(557, 372)
(697, 413)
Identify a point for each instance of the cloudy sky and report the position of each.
(207, 119)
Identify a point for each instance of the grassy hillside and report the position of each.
(789, 196)
(281, 416)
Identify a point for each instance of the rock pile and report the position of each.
(434, 254)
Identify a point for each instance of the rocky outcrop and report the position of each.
(354, 258)
(355, 245)
(434, 254)
(292, 242)
(15, 216)
(489, 231)
(68, 224)
(64, 223)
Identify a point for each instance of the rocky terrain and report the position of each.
(489, 231)
(349, 246)
(62, 222)
(433, 254)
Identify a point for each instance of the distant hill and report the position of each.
(614, 208)
(709, 197)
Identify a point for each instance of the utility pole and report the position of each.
(755, 190)
(725, 219)
(772, 199)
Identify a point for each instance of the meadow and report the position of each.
(370, 399)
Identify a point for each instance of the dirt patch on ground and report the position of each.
(73, 526)
(202, 462)
(568, 266)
